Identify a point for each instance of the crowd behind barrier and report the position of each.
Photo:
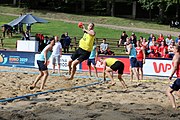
(155, 46)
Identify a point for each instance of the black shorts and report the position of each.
(80, 54)
(41, 65)
(118, 65)
(139, 64)
(176, 85)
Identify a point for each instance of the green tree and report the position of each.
(163, 6)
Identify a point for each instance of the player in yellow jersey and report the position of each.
(84, 50)
(110, 65)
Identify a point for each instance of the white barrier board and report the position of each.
(63, 63)
(25, 45)
(158, 67)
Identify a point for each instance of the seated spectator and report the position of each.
(145, 45)
(153, 41)
(154, 50)
(177, 39)
(123, 37)
(163, 50)
(171, 49)
(151, 37)
(168, 39)
(67, 41)
(103, 47)
(160, 38)
(109, 52)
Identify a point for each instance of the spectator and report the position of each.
(123, 37)
(62, 40)
(133, 39)
(25, 35)
(145, 45)
(153, 41)
(20, 25)
(151, 37)
(103, 47)
(154, 50)
(177, 39)
(163, 50)
(67, 41)
(28, 27)
(169, 39)
(171, 49)
(160, 38)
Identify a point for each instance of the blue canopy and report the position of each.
(27, 19)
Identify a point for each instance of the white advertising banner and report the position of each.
(158, 67)
(63, 63)
(25, 45)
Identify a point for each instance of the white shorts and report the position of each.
(55, 59)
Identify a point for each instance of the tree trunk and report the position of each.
(108, 10)
(14, 2)
(112, 8)
(161, 12)
(150, 14)
(177, 10)
(83, 6)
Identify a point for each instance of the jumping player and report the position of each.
(84, 50)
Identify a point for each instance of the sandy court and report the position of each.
(141, 101)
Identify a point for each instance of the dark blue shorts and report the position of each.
(118, 65)
(41, 65)
(89, 61)
(133, 62)
(176, 85)
(80, 54)
(139, 64)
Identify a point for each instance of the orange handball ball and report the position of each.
(80, 24)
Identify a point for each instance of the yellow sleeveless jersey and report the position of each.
(110, 61)
(86, 43)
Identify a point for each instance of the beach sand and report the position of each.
(141, 101)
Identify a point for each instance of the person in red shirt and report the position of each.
(163, 50)
(175, 87)
(160, 38)
(140, 56)
(154, 50)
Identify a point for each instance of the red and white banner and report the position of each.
(100, 67)
(158, 67)
(155, 67)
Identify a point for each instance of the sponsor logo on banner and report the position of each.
(21, 59)
(161, 67)
(158, 67)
